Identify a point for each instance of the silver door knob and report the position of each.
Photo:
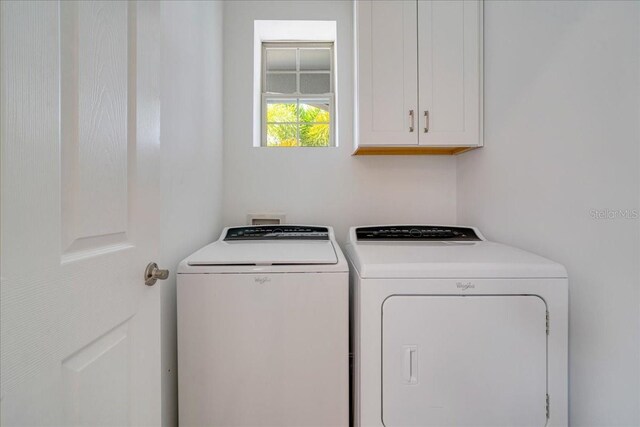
(152, 273)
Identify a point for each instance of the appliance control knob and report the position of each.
(415, 232)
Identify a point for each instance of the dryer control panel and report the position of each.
(416, 232)
(277, 232)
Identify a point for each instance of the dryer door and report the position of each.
(464, 360)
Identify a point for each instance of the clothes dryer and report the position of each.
(450, 329)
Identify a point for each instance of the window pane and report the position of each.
(314, 83)
(314, 135)
(281, 83)
(281, 111)
(315, 59)
(282, 136)
(281, 59)
(314, 110)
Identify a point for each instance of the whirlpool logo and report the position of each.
(262, 279)
(465, 285)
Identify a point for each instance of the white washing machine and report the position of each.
(452, 330)
(263, 329)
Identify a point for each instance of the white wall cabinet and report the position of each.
(387, 46)
(418, 76)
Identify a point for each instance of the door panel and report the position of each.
(449, 46)
(464, 360)
(88, 401)
(387, 72)
(94, 76)
(80, 137)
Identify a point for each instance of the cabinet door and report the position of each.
(450, 72)
(387, 75)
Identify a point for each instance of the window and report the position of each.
(297, 94)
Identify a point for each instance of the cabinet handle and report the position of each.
(411, 121)
(426, 121)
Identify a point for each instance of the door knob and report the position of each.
(152, 273)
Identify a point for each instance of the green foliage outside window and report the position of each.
(284, 125)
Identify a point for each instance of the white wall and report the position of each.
(318, 185)
(562, 114)
(191, 139)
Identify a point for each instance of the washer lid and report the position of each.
(258, 252)
(269, 249)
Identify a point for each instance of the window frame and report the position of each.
(297, 96)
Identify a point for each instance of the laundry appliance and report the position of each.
(449, 329)
(263, 329)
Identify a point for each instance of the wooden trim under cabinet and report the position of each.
(410, 151)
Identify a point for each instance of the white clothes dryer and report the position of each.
(450, 329)
(263, 329)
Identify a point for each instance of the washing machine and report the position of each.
(263, 329)
(449, 329)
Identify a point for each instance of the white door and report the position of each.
(464, 361)
(387, 79)
(450, 66)
(80, 140)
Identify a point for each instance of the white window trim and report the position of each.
(304, 30)
(297, 96)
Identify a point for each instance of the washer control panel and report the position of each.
(416, 232)
(277, 232)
